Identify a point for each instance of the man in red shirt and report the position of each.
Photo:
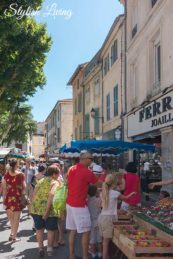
(79, 177)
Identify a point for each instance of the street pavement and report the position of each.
(27, 247)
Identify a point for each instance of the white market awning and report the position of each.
(4, 151)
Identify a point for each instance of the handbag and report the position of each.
(24, 200)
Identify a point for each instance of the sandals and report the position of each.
(10, 237)
(49, 251)
(14, 240)
(41, 252)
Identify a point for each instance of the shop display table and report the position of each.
(140, 239)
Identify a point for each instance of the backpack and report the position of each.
(59, 200)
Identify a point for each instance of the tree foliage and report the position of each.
(24, 45)
(17, 124)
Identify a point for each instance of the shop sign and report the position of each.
(156, 115)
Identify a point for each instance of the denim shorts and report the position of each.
(51, 223)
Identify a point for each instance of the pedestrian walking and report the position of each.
(13, 188)
(29, 173)
(42, 210)
(41, 172)
(79, 177)
(59, 233)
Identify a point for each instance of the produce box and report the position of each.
(138, 241)
(166, 202)
(124, 217)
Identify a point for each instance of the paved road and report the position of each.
(27, 247)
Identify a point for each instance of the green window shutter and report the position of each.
(108, 107)
(87, 126)
(115, 100)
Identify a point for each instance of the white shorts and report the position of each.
(78, 219)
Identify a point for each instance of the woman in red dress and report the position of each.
(13, 186)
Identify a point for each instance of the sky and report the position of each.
(78, 29)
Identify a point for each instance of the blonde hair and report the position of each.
(110, 180)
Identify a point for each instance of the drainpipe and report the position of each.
(83, 111)
(125, 57)
(102, 103)
(122, 97)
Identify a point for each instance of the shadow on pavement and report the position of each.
(28, 254)
(33, 253)
(24, 218)
(32, 238)
(5, 247)
(3, 225)
(26, 233)
(2, 212)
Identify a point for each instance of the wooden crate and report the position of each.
(144, 250)
(131, 250)
(125, 217)
(127, 247)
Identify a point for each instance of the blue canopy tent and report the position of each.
(103, 147)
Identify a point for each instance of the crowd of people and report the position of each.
(92, 202)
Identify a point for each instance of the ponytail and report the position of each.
(109, 181)
(105, 195)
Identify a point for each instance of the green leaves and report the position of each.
(24, 45)
(17, 124)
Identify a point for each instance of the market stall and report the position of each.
(145, 234)
(111, 146)
(103, 150)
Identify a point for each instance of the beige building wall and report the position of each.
(51, 132)
(66, 122)
(38, 146)
(76, 81)
(38, 140)
(153, 25)
(93, 98)
(149, 74)
(59, 126)
(113, 77)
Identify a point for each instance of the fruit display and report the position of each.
(161, 214)
(152, 243)
(141, 237)
(166, 202)
(140, 240)
(133, 230)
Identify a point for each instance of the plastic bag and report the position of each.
(59, 200)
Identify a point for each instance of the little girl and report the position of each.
(108, 214)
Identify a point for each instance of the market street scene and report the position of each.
(86, 129)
